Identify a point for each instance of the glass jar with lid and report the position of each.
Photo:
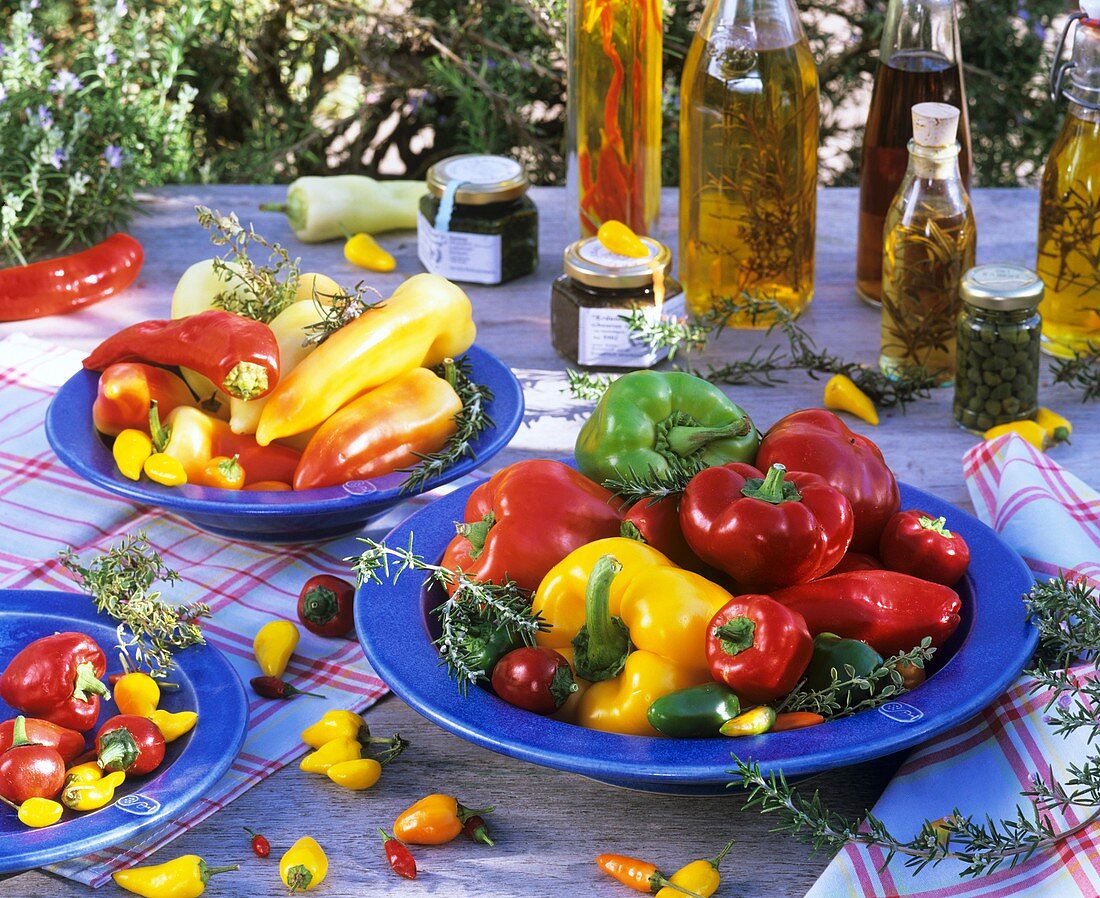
(590, 302)
(477, 223)
(999, 334)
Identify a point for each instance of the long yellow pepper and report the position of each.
(185, 877)
(426, 320)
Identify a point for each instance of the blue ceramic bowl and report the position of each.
(192, 764)
(270, 517)
(985, 655)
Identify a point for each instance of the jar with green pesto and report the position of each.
(476, 223)
(999, 332)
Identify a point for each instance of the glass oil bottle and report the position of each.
(930, 241)
(920, 62)
(615, 80)
(1069, 202)
(749, 123)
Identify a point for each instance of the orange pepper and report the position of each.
(126, 392)
(196, 438)
(433, 820)
(223, 472)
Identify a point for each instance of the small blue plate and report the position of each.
(191, 766)
(270, 517)
(987, 652)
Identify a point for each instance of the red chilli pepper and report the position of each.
(238, 353)
(273, 687)
(477, 830)
(127, 391)
(398, 855)
(326, 605)
(28, 770)
(918, 544)
(261, 847)
(68, 283)
(56, 678)
(129, 743)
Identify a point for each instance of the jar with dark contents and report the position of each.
(476, 223)
(589, 304)
(999, 333)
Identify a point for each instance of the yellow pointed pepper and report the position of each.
(1057, 427)
(364, 251)
(426, 320)
(617, 238)
(356, 774)
(185, 877)
(273, 646)
(623, 592)
(172, 726)
(333, 752)
(37, 812)
(700, 877)
(164, 469)
(91, 796)
(842, 394)
(137, 693)
(1029, 430)
(304, 866)
(334, 725)
(130, 450)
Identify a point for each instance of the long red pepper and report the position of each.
(237, 353)
(398, 855)
(71, 282)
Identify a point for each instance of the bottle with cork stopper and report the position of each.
(929, 242)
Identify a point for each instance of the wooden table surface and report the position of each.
(550, 824)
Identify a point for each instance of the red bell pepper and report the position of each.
(239, 354)
(857, 561)
(69, 743)
(29, 770)
(891, 612)
(817, 441)
(657, 524)
(326, 605)
(127, 391)
(765, 532)
(916, 543)
(528, 517)
(758, 647)
(129, 743)
(57, 678)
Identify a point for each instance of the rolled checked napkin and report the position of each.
(1052, 518)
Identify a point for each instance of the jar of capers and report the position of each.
(997, 361)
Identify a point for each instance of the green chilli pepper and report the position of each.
(486, 651)
(653, 421)
(695, 711)
(833, 653)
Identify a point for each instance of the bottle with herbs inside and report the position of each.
(614, 166)
(920, 62)
(749, 122)
(929, 243)
(1069, 200)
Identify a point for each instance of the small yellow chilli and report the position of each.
(356, 775)
(38, 812)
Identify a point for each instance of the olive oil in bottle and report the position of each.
(749, 122)
(929, 243)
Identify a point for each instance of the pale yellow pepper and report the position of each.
(274, 645)
(334, 752)
(363, 251)
(172, 726)
(335, 725)
(842, 394)
(304, 866)
(131, 449)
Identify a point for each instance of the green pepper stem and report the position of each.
(716, 862)
(118, 750)
(602, 644)
(774, 488)
(664, 882)
(465, 813)
(936, 525)
(320, 605)
(19, 733)
(477, 533)
(273, 207)
(629, 530)
(206, 871)
(86, 681)
(736, 635)
(157, 431)
(685, 440)
(246, 380)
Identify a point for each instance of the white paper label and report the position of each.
(605, 339)
(474, 258)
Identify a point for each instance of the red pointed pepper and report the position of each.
(29, 770)
(765, 532)
(57, 678)
(916, 543)
(817, 441)
(127, 391)
(129, 743)
(528, 517)
(69, 743)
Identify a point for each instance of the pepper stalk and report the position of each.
(601, 646)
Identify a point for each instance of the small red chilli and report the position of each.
(261, 847)
(398, 855)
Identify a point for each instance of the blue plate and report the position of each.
(191, 766)
(985, 655)
(270, 517)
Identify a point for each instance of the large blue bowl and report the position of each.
(192, 764)
(985, 655)
(271, 517)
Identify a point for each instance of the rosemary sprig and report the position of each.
(879, 686)
(472, 420)
(1067, 617)
(342, 308)
(633, 486)
(1082, 372)
(469, 615)
(586, 385)
(120, 581)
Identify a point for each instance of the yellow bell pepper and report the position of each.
(426, 320)
(137, 693)
(304, 866)
(699, 877)
(356, 774)
(363, 251)
(185, 877)
(1029, 430)
(91, 796)
(273, 645)
(1058, 428)
(335, 752)
(172, 726)
(165, 469)
(336, 725)
(37, 812)
(617, 238)
(618, 588)
(130, 450)
(842, 394)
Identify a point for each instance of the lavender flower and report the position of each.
(59, 157)
(121, 8)
(65, 82)
(3, 93)
(113, 155)
(34, 46)
(45, 118)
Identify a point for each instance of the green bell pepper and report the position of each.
(831, 653)
(651, 422)
(694, 712)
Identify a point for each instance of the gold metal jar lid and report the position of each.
(591, 263)
(1001, 288)
(483, 179)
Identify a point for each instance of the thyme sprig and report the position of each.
(472, 611)
(472, 420)
(341, 309)
(586, 385)
(841, 697)
(1067, 616)
(1082, 372)
(120, 582)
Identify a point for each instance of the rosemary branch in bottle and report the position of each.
(120, 582)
